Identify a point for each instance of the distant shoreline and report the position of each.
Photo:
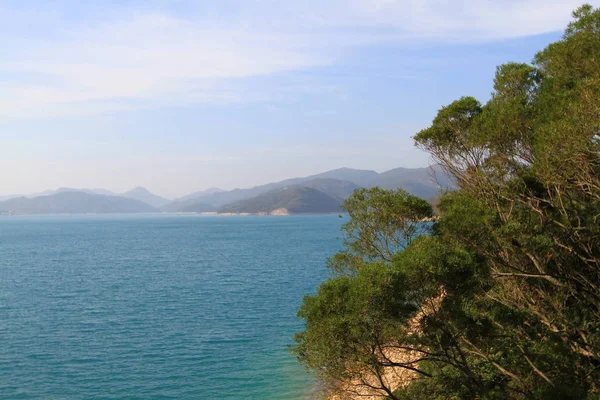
(178, 213)
(217, 214)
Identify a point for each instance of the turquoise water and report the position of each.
(157, 306)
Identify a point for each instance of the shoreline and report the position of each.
(262, 214)
(213, 213)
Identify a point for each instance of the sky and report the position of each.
(182, 95)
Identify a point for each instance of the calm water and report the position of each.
(162, 307)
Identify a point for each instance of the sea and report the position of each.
(158, 306)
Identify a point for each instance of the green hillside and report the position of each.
(296, 200)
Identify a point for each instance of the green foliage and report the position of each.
(451, 127)
(501, 297)
(382, 222)
(349, 316)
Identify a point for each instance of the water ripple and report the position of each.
(161, 307)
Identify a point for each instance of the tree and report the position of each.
(382, 223)
(501, 298)
(354, 316)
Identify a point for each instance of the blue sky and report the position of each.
(183, 95)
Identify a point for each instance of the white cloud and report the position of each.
(152, 59)
(455, 20)
(132, 64)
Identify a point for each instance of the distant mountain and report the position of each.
(69, 202)
(339, 190)
(335, 188)
(66, 189)
(143, 194)
(360, 177)
(10, 196)
(103, 192)
(200, 194)
(222, 198)
(417, 181)
(100, 191)
(423, 182)
(43, 193)
(337, 184)
(48, 193)
(295, 200)
(191, 205)
(59, 190)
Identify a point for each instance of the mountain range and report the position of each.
(417, 181)
(74, 202)
(319, 193)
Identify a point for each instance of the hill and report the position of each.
(200, 193)
(144, 195)
(295, 200)
(67, 202)
(191, 205)
(222, 198)
(417, 181)
(67, 189)
(422, 182)
(360, 177)
(219, 199)
(339, 190)
(335, 188)
(59, 190)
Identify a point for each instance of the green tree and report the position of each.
(354, 317)
(501, 298)
(382, 223)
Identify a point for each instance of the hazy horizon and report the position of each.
(190, 191)
(183, 96)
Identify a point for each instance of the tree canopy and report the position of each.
(499, 298)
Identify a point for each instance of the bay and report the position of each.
(157, 306)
